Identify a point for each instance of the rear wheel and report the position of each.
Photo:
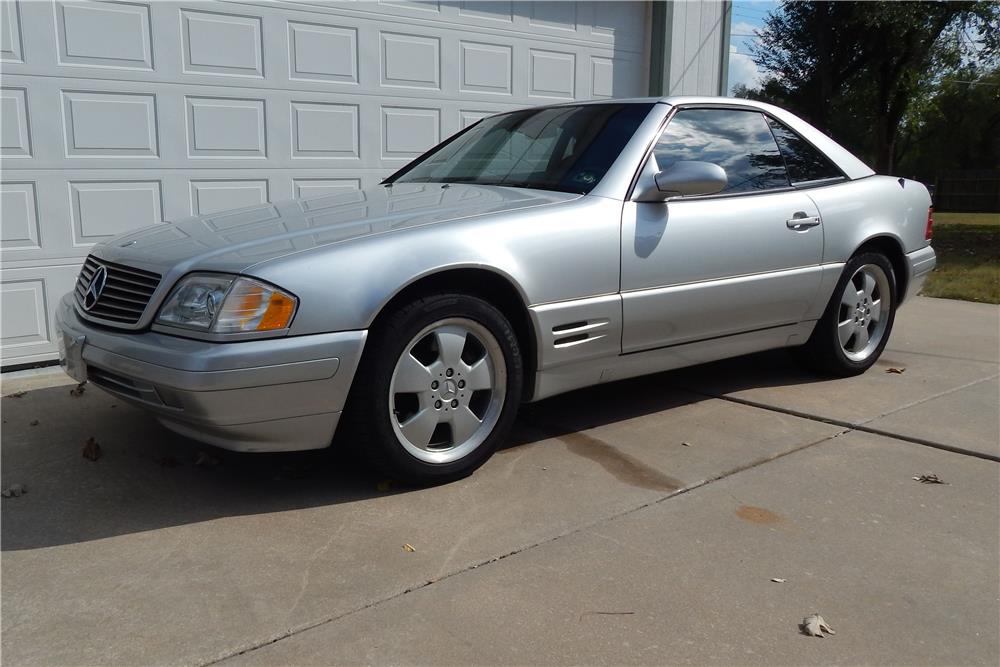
(857, 322)
(438, 389)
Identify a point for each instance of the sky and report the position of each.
(748, 15)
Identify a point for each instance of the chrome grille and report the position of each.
(126, 293)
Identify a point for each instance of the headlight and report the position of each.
(220, 303)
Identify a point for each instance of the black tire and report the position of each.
(368, 413)
(824, 352)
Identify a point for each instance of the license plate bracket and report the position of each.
(71, 356)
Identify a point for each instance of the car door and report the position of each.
(745, 259)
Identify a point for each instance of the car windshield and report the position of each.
(564, 148)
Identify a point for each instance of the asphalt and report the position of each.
(640, 522)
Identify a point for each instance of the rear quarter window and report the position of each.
(804, 161)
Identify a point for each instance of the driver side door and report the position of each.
(705, 267)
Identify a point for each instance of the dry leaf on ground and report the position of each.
(815, 626)
(78, 391)
(91, 450)
(929, 479)
(14, 490)
(685, 444)
(409, 548)
(778, 580)
(898, 371)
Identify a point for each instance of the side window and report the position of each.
(805, 162)
(738, 141)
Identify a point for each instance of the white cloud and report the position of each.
(742, 70)
(743, 28)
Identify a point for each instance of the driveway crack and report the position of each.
(861, 426)
(495, 559)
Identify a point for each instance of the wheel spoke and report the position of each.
(869, 285)
(844, 331)
(411, 376)
(478, 376)
(419, 428)
(464, 423)
(851, 295)
(876, 310)
(451, 343)
(861, 341)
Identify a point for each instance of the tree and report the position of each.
(955, 126)
(855, 69)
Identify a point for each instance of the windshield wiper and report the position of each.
(533, 185)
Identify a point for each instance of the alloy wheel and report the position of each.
(447, 390)
(864, 312)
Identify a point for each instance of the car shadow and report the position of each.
(149, 478)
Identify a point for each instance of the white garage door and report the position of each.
(118, 115)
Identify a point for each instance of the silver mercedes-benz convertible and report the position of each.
(533, 253)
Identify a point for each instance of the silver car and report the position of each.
(533, 253)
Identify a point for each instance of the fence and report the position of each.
(968, 190)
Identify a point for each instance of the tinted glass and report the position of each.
(804, 162)
(738, 141)
(557, 148)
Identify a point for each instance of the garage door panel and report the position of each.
(410, 60)
(552, 74)
(109, 124)
(10, 32)
(19, 227)
(27, 300)
(486, 68)
(15, 137)
(214, 196)
(225, 127)
(32, 204)
(488, 11)
(82, 29)
(217, 42)
(127, 114)
(324, 52)
(24, 309)
(103, 209)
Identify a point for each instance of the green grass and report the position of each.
(966, 219)
(968, 256)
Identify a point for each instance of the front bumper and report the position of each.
(278, 394)
(919, 263)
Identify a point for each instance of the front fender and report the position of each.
(552, 253)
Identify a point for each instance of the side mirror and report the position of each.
(682, 178)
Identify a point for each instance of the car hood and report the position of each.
(234, 241)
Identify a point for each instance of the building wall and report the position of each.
(119, 115)
(697, 52)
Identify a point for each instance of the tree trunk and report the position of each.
(823, 67)
(883, 145)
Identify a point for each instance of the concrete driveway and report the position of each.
(638, 522)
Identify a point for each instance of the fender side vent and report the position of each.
(567, 327)
(569, 340)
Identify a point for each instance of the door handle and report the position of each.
(800, 221)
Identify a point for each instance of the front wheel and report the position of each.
(438, 389)
(857, 322)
